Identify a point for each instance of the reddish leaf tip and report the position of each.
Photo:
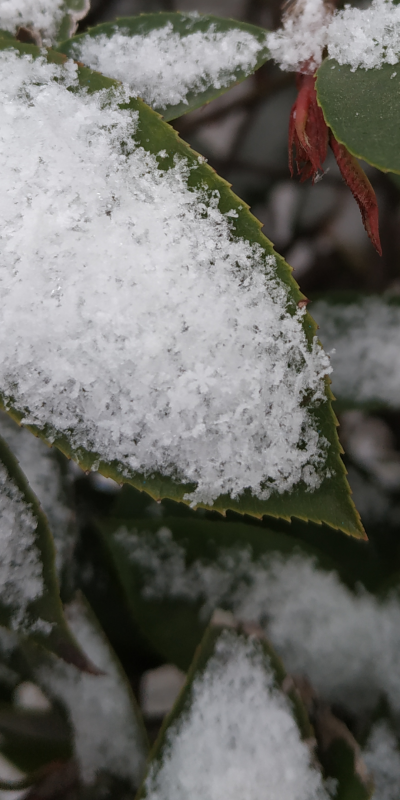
(361, 189)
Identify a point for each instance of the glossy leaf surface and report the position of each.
(362, 108)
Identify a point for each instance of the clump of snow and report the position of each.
(364, 338)
(367, 37)
(303, 36)
(21, 579)
(137, 324)
(238, 737)
(164, 67)
(43, 15)
(382, 757)
(42, 469)
(107, 734)
(347, 643)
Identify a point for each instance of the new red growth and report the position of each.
(308, 133)
(309, 136)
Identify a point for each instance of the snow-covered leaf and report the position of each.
(108, 732)
(323, 623)
(52, 20)
(48, 476)
(362, 108)
(234, 731)
(151, 332)
(176, 572)
(363, 333)
(176, 62)
(29, 595)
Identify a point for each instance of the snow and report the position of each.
(107, 735)
(382, 757)
(303, 36)
(21, 579)
(237, 738)
(163, 67)
(366, 38)
(365, 338)
(137, 324)
(43, 471)
(347, 643)
(43, 15)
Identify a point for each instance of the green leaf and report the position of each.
(82, 435)
(175, 572)
(29, 596)
(362, 108)
(108, 732)
(237, 726)
(188, 46)
(364, 331)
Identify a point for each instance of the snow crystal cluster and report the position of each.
(238, 737)
(43, 15)
(42, 469)
(21, 579)
(137, 324)
(107, 733)
(347, 643)
(164, 67)
(366, 38)
(302, 38)
(365, 341)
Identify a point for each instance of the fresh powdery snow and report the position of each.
(238, 737)
(21, 579)
(43, 471)
(164, 67)
(367, 37)
(107, 734)
(303, 36)
(382, 757)
(133, 321)
(347, 643)
(43, 15)
(364, 340)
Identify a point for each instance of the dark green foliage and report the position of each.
(361, 107)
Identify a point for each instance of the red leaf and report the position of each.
(362, 191)
(308, 132)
